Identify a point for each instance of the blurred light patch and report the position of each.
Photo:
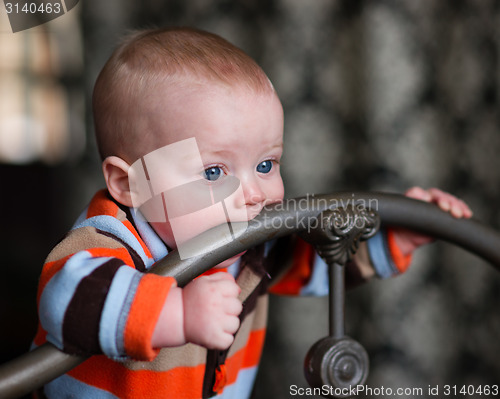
(36, 113)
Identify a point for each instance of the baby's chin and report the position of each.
(230, 261)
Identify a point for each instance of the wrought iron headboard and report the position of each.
(335, 223)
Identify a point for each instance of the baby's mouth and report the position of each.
(253, 212)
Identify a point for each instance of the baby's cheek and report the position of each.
(275, 190)
(190, 225)
(153, 210)
(186, 227)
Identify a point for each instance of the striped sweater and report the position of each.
(94, 297)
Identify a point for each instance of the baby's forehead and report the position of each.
(172, 112)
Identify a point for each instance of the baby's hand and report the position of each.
(408, 240)
(445, 201)
(211, 309)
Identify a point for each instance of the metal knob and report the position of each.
(342, 364)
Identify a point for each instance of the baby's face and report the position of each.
(216, 159)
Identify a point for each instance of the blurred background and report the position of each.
(378, 95)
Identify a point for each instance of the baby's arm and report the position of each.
(205, 312)
(391, 252)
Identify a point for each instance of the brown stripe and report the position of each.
(81, 239)
(253, 281)
(189, 355)
(256, 320)
(83, 314)
(280, 257)
(139, 264)
(127, 214)
(251, 301)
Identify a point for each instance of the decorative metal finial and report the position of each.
(339, 232)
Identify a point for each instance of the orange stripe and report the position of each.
(248, 356)
(143, 315)
(101, 205)
(213, 270)
(40, 337)
(180, 382)
(401, 261)
(101, 372)
(300, 272)
(119, 253)
(131, 228)
(254, 348)
(49, 270)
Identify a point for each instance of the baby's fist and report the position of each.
(211, 309)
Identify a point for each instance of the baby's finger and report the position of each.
(460, 209)
(230, 324)
(233, 306)
(419, 193)
(228, 288)
(444, 203)
(438, 195)
(466, 209)
(441, 199)
(219, 276)
(221, 342)
(450, 203)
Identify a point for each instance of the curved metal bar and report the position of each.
(35, 368)
(296, 215)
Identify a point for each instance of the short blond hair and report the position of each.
(172, 55)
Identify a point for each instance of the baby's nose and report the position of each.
(253, 193)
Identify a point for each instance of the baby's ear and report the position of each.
(115, 172)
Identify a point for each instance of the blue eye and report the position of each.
(213, 173)
(265, 167)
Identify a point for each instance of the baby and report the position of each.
(190, 131)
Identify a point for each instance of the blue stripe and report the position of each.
(154, 243)
(112, 225)
(242, 388)
(59, 291)
(115, 311)
(268, 246)
(82, 217)
(66, 387)
(380, 256)
(126, 305)
(318, 284)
